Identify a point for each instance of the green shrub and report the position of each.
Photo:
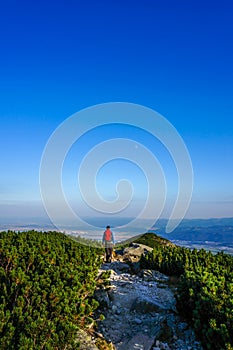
(205, 291)
(47, 281)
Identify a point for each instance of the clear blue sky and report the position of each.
(58, 57)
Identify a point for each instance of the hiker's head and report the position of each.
(107, 227)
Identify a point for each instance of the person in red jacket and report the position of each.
(108, 242)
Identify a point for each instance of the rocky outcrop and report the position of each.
(132, 253)
(146, 305)
(85, 341)
(140, 308)
(142, 313)
(102, 297)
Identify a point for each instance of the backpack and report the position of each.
(108, 235)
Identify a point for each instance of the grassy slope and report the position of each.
(152, 240)
(149, 239)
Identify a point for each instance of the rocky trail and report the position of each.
(139, 309)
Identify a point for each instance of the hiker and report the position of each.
(108, 242)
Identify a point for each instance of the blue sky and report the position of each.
(58, 57)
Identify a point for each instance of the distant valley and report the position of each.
(211, 234)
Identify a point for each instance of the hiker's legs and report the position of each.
(110, 254)
(108, 251)
(106, 254)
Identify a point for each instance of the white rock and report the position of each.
(114, 308)
(137, 321)
(134, 319)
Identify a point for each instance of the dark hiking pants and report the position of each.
(108, 252)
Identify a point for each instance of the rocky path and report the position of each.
(140, 312)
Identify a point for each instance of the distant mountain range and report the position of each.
(211, 234)
(215, 230)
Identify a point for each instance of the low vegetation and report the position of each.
(205, 288)
(154, 241)
(47, 281)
